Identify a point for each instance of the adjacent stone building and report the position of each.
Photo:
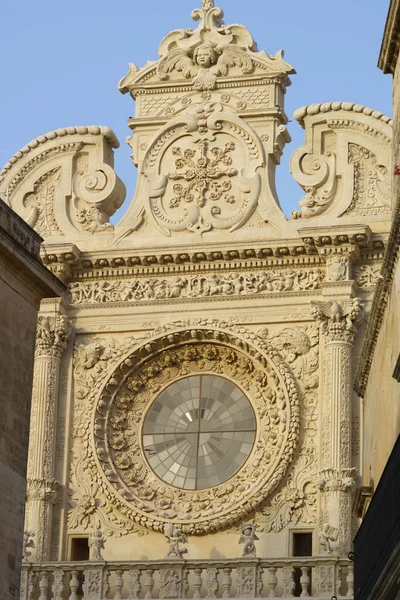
(198, 435)
(24, 282)
(377, 544)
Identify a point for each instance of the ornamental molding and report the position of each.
(107, 430)
(337, 480)
(196, 287)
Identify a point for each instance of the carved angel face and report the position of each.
(205, 56)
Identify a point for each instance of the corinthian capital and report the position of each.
(339, 321)
(52, 335)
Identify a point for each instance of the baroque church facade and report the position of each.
(194, 429)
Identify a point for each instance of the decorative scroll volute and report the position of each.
(345, 165)
(63, 184)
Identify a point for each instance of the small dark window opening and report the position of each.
(302, 546)
(79, 549)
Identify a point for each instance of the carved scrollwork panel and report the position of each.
(202, 172)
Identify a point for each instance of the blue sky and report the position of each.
(61, 62)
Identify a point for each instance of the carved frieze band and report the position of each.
(198, 286)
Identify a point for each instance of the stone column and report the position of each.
(339, 326)
(53, 330)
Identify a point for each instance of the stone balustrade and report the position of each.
(316, 577)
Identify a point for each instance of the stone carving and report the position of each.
(58, 585)
(97, 541)
(52, 335)
(296, 502)
(170, 582)
(320, 164)
(92, 361)
(328, 536)
(93, 584)
(27, 543)
(134, 584)
(339, 321)
(337, 480)
(197, 286)
(216, 194)
(337, 268)
(212, 583)
(245, 585)
(175, 538)
(371, 192)
(134, 495)
(367, 276)
(248, 538)
(206, 53)
(40, 203)
(202, 175)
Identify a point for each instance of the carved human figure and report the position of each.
(205, 56)
(248, 537)
(328, 536)
(175, 537)
(97, 541)
(27, 543)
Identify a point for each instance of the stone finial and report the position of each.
(248, 537)
(97, 541)
(175, 537)
(27, 543)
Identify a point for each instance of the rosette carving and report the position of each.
(206, 347)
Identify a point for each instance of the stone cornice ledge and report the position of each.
(391, 39)
(379, 305)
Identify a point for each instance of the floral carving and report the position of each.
(371, 192)
(202, 175)
(197, 286)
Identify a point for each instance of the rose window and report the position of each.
(199, 432)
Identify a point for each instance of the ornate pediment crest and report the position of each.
(202, 55)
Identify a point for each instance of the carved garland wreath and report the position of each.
(251, 363)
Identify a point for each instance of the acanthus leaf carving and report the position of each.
(52, 335)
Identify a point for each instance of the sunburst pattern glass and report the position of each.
(199, 432)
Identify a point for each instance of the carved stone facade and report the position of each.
(203, 277)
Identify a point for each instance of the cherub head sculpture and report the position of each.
(205, 56)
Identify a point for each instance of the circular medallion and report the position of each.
(199, 432)
(196, 426)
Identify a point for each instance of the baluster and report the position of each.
(134, 584)
(350, 581)
(73, 585)
(43, 585)
(197, 583)
(58, 585)
(149, 584)
(119, 584)
(226, 583)
(31, 585)
(305, 581)
(272, 581)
